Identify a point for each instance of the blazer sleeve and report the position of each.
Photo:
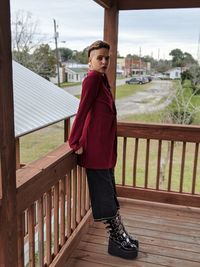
(90, 89)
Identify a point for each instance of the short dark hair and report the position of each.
(98, 45)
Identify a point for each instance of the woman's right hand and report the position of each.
(79, 151)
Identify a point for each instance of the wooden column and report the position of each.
(66, 129)
(8, 221)
(17, 147)
(111, 17)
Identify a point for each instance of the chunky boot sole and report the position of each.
(117, 250)
(135, 242)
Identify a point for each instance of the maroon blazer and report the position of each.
(95, 125)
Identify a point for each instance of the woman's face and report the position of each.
(99, 60)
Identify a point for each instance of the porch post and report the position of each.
(66, 129)
(111, 16)
(8, 222)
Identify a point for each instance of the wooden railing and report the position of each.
(159, 163)
(53, 208)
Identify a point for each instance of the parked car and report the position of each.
(149, 78)
(137, 80)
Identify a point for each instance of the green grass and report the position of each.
(39, 143)
(145, 117)
(67, 84)
(126, 90)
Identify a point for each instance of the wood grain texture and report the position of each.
(168, 236)
(8, 218)
(159, 131)
(38, 177)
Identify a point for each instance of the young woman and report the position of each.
(93, 138)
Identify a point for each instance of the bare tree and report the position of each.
(24, 36)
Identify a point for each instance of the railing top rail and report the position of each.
(172, 132)
(39, 176)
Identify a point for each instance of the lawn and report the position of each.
(129, 89)
(39, 143)
(67, 84)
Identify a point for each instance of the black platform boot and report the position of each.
(120, 242)
(132, 239)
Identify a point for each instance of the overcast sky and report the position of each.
(80, 22)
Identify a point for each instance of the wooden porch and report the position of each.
(169, 236)
(54, 218)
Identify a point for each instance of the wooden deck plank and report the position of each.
(193, 248)
(169, 236)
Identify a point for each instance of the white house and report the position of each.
(174, 73)
(75, 74)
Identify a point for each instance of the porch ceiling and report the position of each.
(147, 4)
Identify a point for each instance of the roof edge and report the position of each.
(104, 3)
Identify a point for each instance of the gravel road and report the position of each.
(156, 97)
(76, 90)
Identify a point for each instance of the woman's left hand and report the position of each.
(79, 151)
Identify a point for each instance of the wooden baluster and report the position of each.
(147, 163)
(135, 161)
(48, 226)
(20, 239)
(62, 211)
(195, 167)
(124, 161)
(69, 206)
(41, 232)
(170, 165)
(87, 194)
(158, 164)
(79, 189)
(83, 193)
(74, 198)
(56, 219)
(182, 168)
(31, 236)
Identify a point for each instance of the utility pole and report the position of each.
(198, 50)
(158, 53)
(57, 55)
(140, 61)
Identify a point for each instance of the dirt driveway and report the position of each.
(156, 97)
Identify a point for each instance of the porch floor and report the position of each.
(169, 236)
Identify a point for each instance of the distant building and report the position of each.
(174, 73)
(136, 67)
(75, 74)
(121, 66)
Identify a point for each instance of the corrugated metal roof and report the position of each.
(38, 102)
